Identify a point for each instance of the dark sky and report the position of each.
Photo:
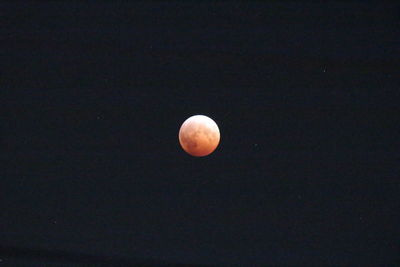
(305, 96)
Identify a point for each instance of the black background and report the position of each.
(305, 96)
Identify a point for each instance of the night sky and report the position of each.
(305, 96)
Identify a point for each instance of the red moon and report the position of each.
(199, 135)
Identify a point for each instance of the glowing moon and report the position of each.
(199, 135)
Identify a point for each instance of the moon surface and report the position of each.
(199, 135)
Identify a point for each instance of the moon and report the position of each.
(199, 135)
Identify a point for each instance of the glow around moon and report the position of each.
(199, 135)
